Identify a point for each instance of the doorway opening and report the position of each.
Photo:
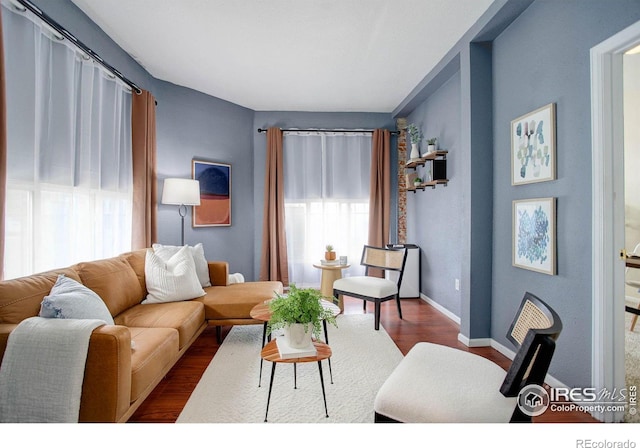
(608, 213)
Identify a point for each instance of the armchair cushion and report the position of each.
(367, 286)
(467, 391)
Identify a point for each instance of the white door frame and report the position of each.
(607, 134)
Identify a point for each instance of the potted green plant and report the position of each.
(300, 313)
(329, 254)
(415, 135)
(432, 144)
(417, 181)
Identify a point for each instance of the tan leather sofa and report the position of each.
(118, 378)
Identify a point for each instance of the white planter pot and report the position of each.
(432, 148)
(415, 154)
(298, 335)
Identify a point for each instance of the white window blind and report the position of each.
(326, 186)
(69, 164)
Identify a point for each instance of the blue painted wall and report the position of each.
(434, 215)
(531, 69)
(538, 53)
(191, 125)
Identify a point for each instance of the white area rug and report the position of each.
(632, 362)
(228, 391)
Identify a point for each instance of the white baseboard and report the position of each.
(440, 308)
(479, 342)
(484, 342)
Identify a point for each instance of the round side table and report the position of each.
(331, 273)
(270, 353)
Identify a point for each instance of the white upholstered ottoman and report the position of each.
(422, 390)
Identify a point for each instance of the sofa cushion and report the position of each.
(114, 280)
(156, 349)
(197, 252)
(20, 298)
(236, 301)
(70, 299)
(136, 261)
(172, 280)
(186, 317)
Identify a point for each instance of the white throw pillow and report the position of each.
(236, 278)
(197, 252)
(69, 299)
(171, 281)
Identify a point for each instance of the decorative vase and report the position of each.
(298, 335)
(415, 154)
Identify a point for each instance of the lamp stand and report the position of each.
(182, 211)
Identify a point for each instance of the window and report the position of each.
(69, 164)
(326, 184)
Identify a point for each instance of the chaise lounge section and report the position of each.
(119, 375)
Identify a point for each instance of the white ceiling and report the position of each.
(289, 55)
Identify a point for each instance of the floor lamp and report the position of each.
(181, 192)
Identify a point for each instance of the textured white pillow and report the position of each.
(173, 280)
(197, 252)
(69, 299)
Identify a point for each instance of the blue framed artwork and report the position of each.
(534, 235)
(215, 194)
(533, 146)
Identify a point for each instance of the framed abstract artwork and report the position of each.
(534, 235)
(533, 146)
(215, 194)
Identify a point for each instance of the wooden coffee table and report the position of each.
(270, 353)
(262, 312)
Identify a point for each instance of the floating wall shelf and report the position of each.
(438, 161)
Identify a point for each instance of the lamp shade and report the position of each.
(181, 192)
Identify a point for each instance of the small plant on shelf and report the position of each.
(414, 133)
(417, 181)
(432, 144)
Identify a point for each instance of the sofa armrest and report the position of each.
(219, 273)
(106, 390)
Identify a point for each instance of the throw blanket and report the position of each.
(42, 370)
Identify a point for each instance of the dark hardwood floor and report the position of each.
(421, 322)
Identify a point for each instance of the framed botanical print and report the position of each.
(533, 146)
(534, 234)
(215, 194)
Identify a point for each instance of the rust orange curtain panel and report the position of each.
(380, 190)
(273, 260)
(3, 150)
(145, 194)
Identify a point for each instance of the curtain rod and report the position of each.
(260, 130)
(64, 33)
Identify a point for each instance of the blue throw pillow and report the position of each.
(69, 299)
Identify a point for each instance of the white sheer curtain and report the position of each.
(326, 184)
(69, 176)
